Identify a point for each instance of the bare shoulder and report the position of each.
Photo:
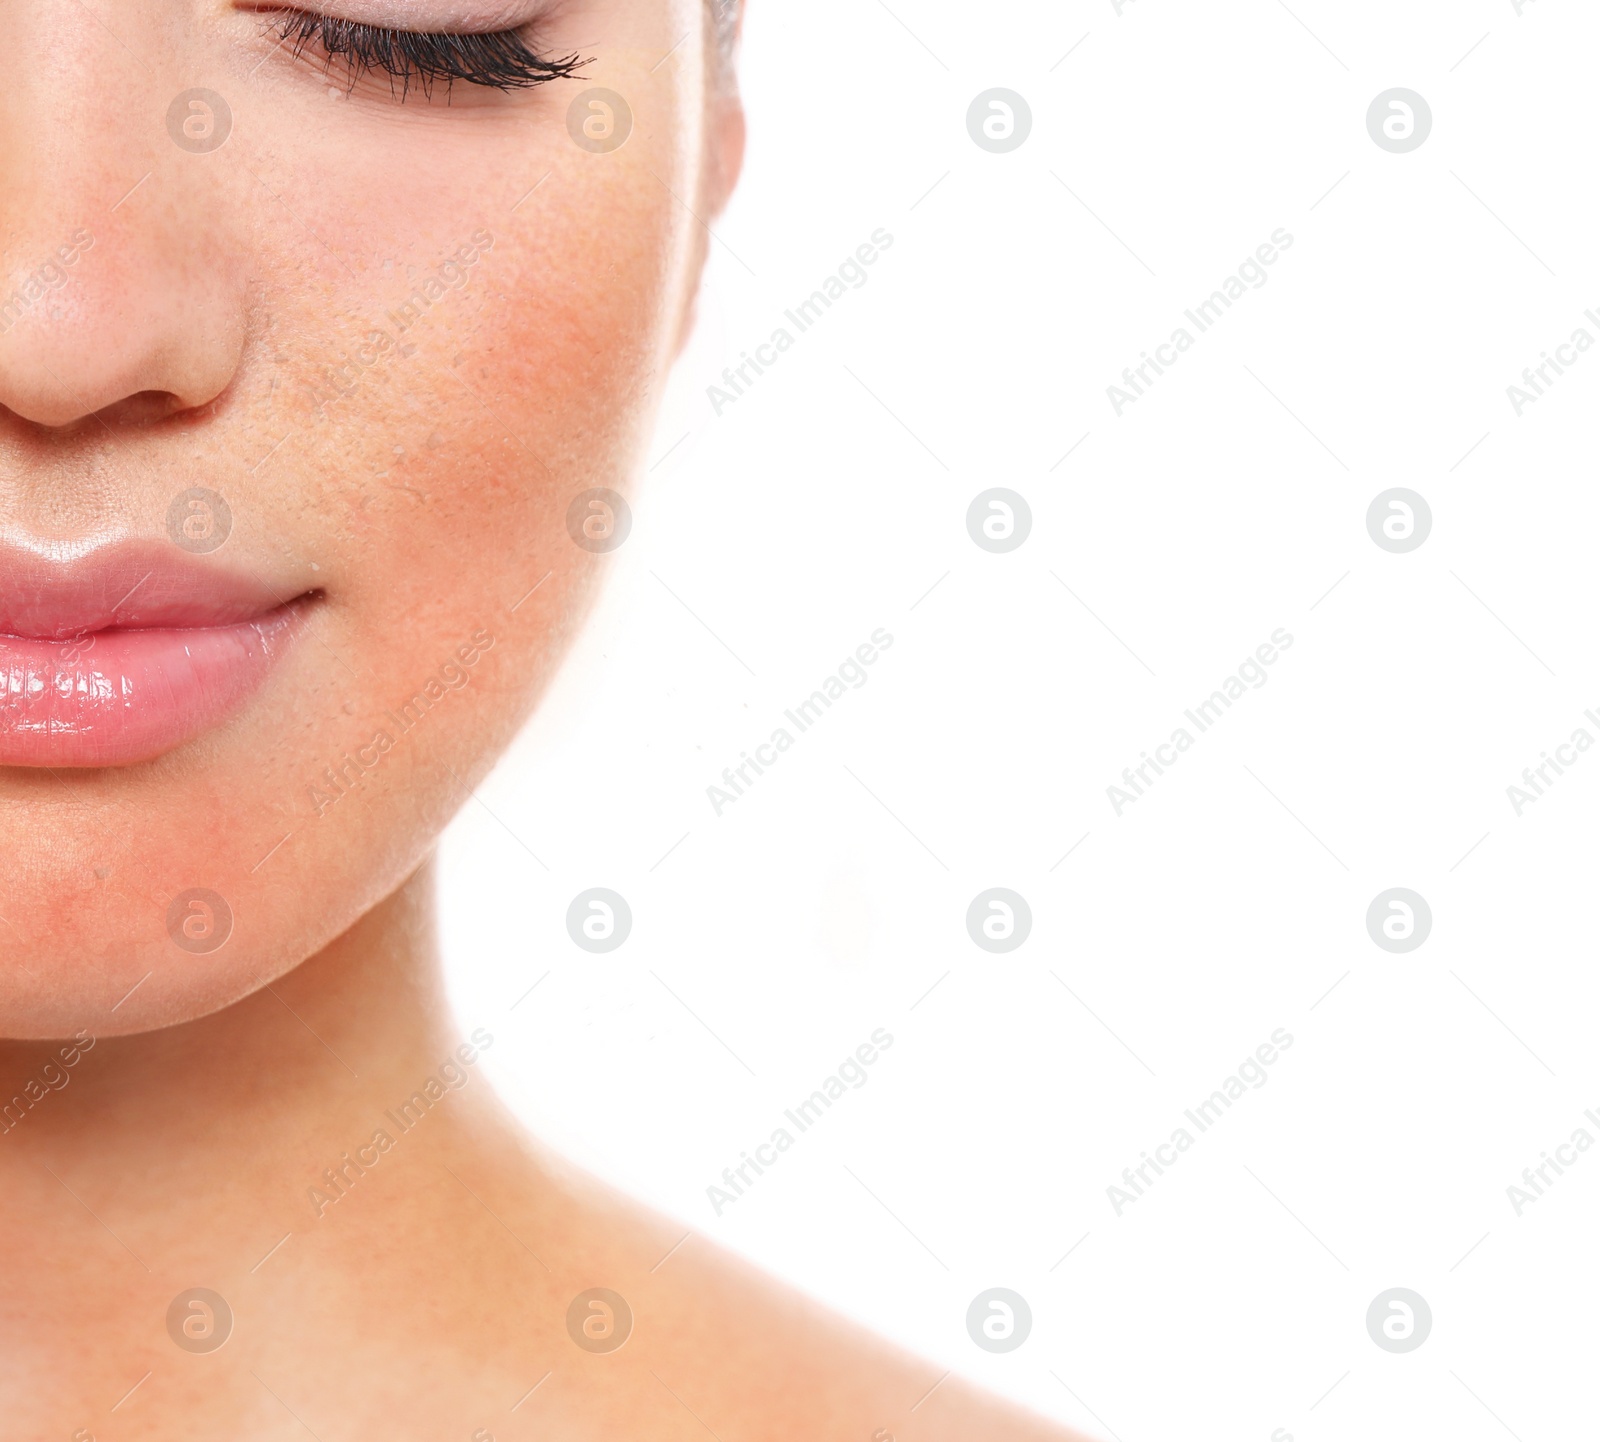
(777, 1366)
(652, 1331)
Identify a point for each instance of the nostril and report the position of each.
(151, 326)
(144, 408)
(141, 409)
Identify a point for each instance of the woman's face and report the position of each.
(304, 387)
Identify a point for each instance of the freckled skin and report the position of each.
(251, 286)
(238, 320)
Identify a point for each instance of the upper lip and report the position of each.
(60, 594)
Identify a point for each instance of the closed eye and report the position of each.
(499, 60)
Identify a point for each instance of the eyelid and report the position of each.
(437, 17)
(502, 60)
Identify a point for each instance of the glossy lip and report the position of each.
(118, 654)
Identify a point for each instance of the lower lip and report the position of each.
(115, 698)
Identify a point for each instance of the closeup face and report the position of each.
(305, 375)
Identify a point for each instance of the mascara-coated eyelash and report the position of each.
(500, 60)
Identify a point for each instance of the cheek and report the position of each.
(524, 388)
(451, 424)
(422, 442)
(565, 343)
(529, 386)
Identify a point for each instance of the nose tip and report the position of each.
(127, 309)
(123, 331)
(124, 264)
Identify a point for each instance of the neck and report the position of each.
(324, 1158)
(214, 1135)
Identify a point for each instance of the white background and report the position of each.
(1230, 501)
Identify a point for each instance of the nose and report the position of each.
(119, 295)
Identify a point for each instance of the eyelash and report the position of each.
(500, 60)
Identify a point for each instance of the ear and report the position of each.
(724, 161)
(725, 140)
(725, 111)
